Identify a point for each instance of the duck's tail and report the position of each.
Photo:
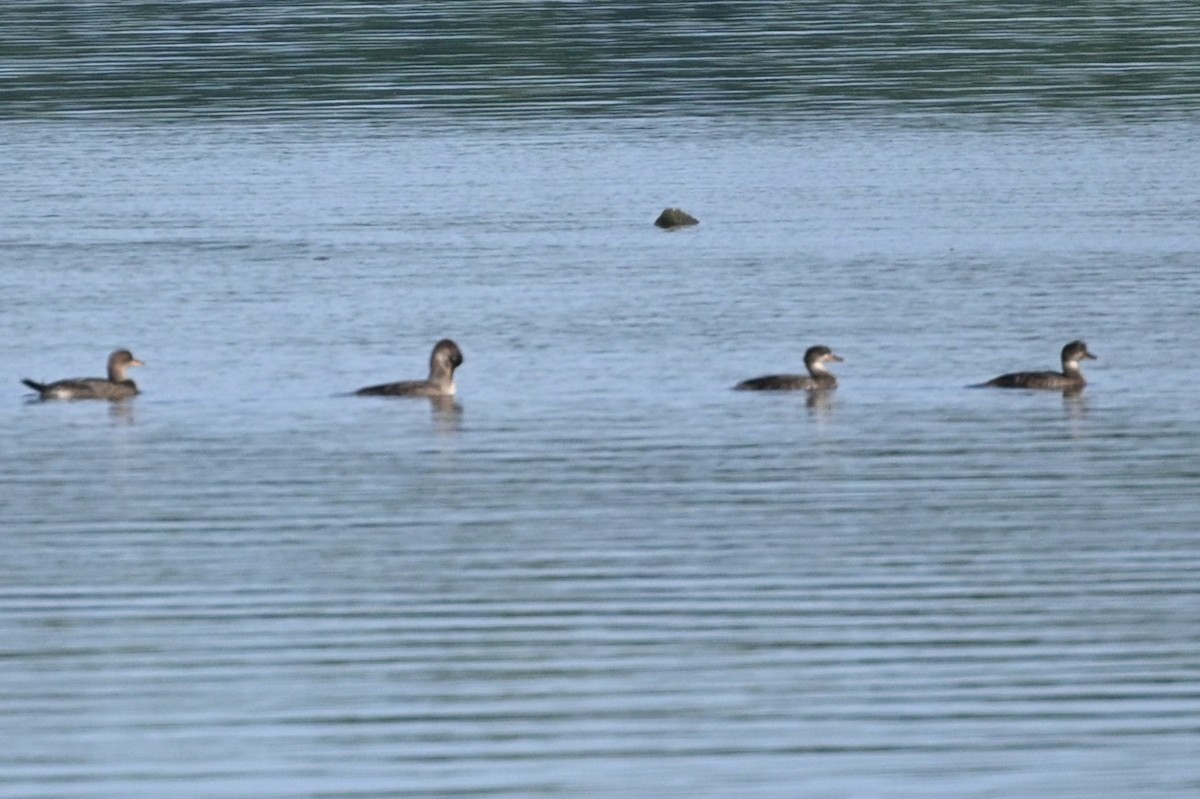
(38, 387)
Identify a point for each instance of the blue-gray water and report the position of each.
(604, 573)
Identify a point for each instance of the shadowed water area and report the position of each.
(567, 58)
(600, 571)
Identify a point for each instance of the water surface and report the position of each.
(604, 573)
(598, 58)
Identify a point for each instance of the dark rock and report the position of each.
(675, 217)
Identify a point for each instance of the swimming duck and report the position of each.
(116, 387)
(1070, 379)
(817, 379)
(445, 358)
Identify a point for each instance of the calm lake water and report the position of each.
(603, 573)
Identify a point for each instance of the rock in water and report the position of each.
(675, 217)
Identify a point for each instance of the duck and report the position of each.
(445, 358)
(1069, 379)
(817, 379)
(117, 386)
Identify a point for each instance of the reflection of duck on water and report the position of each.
(117, 387)
(445, 358)
(817, 379)
(1070, 379)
